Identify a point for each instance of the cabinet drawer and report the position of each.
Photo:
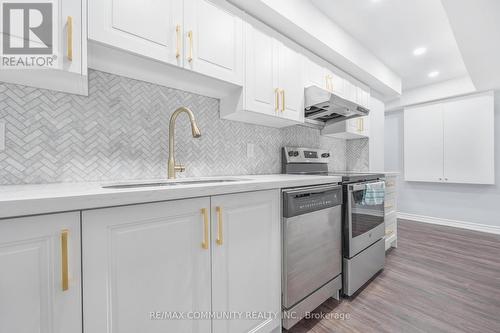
(391, 230)
(390, 202)
(390, 218)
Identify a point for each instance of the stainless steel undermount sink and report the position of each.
(172, 183)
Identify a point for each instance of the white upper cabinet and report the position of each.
(246, 260)
(150, 28)
(261, 81)
(273, 89)
(70, 73)
(40, 281)
(469, 140)
(451, 141)
(356, 128)
(199, 35)
(290, 83)
(213, 40)
(423, 143)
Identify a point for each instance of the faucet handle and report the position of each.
(180, 168)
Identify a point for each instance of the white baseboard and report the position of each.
(451, 223)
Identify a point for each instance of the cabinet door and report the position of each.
(315, 74)
(291, 83)
(35, 255)
(261, 81)
(423, 143)
(469, 140)
(246, 259)
(149, 28)
(146, 258)
(73, 23)
(213, 40)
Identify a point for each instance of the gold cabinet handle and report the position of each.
(277, 95)
(220, 236)
(69, 23)
(190, 36)
(331, 82)
(178, 41)
(282, 100)
(362, 124)
(327, 82)
(358, 121)
(64, 259)
(204, 243)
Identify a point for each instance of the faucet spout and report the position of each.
(172, 167)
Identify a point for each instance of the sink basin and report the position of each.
(172, 183)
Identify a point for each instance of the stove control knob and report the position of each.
(290, 153)
(295, 153)
(325, 155)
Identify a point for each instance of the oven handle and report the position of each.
(362, 186)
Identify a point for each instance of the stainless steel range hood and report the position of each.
(322, 107)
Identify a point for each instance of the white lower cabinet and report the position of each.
(40, 281)
(246, 263)
(144, 263)
(143, 259)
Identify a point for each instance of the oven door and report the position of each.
(364, 216)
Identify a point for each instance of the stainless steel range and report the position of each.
(362, 214)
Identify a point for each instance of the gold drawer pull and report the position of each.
(70, 37)
(64, 259)
(190, 36)
(204, 243)
(178, 41)
(220, 238)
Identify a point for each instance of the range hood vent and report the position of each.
(323, 107)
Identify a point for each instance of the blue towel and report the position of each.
(374, 194)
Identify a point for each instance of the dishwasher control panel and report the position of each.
(306, 200)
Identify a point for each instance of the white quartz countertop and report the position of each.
(22, 200)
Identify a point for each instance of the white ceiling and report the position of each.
(392, 29)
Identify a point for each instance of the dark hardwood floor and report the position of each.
(439, 279)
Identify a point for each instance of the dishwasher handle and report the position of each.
(310, 199)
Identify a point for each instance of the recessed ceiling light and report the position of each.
(433, 74)
(419, 51)
(375, 0)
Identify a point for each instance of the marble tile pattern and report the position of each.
(357, 155)
(120, 132)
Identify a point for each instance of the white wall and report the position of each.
(467, 203)
(432, 92)
(376, 142)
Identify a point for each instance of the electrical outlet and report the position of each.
(250, 150)
(2, 135)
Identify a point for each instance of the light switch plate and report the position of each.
(250, 150)
(2, 135)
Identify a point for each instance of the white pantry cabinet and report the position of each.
(70, 75)
(40, 281)
(146, 258)
(246, 260)
(185, 257)
(199, 35)
(273, 91)
(451, 141)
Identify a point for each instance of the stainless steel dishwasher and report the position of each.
(312, 249)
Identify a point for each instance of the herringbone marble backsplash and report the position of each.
(120, 132)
